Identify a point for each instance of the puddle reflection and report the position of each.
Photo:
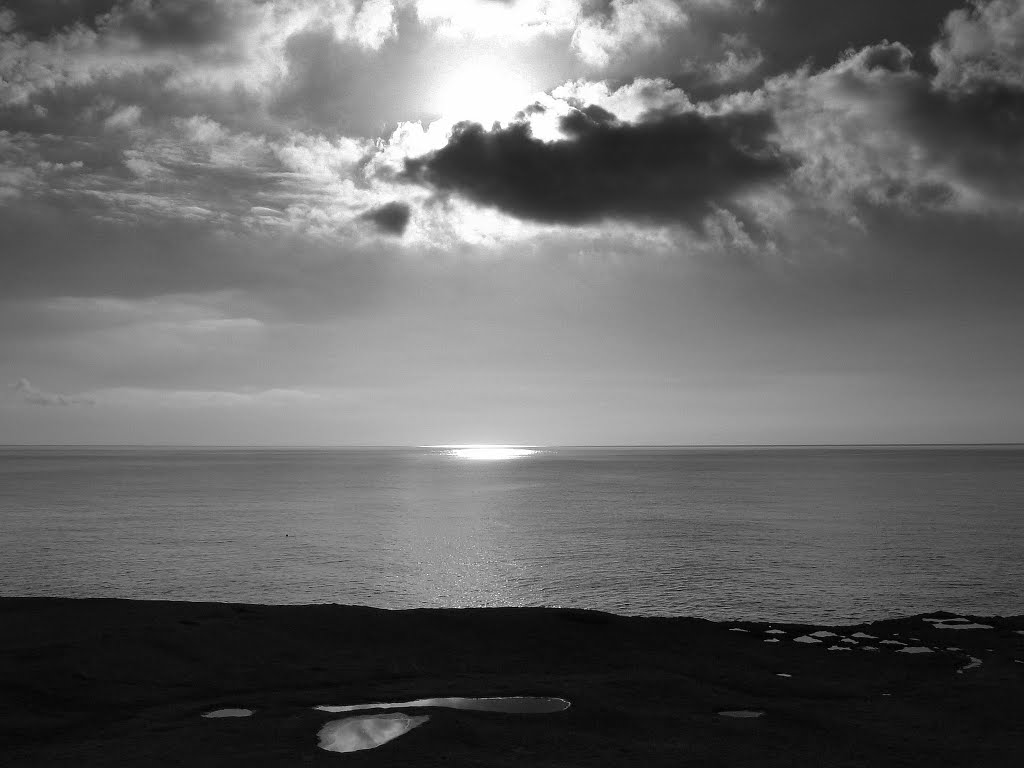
(509, 704)
(354, 734)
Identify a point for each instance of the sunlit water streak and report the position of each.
(490, 453)
(808, 534)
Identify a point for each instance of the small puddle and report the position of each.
(228, 713)
(354, 734)
(742, 714)
(915, 649)
(806, 639)
(823, 633)
(509, 704)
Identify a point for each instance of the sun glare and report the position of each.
(487, 452)
(482, 89)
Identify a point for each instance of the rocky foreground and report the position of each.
(124, 683)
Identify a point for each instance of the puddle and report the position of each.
(773, 640)
(974, 663)
(228, 713)
(509, 704)
(738, 629)
(354, 734)
(863, 636)
(782, 674)
(915, 649)
(848, 641)
(892, 642)
(775, 632)
(839, 648)
(962, 626)
(823, 633)
(742, 714)
(806, 639)
(868, 648)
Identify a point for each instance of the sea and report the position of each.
(828, 535)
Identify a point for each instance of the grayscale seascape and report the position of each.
(511, 383)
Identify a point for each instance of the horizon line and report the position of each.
(541, 446)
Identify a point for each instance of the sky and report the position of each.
(575, 222)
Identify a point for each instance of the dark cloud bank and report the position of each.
(668, 168)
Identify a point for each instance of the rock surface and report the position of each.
(123, 683)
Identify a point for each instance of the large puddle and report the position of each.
(509, 704)
(354, 734)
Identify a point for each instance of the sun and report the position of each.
(482, 89)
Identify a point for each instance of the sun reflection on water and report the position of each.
(488, 452)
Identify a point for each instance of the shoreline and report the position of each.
(111, 682)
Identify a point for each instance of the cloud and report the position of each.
(791, 34)
(374, 24)
(667, 168)
(600, 32)
(35, 396)
(391, 218)
(983, 45)
(873, 128)
(185, 23)
(128, 121)
(206, 45)
(740, 61)
(626, 26)
(519, 19)
(42, 18)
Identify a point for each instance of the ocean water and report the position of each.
(824, 535)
